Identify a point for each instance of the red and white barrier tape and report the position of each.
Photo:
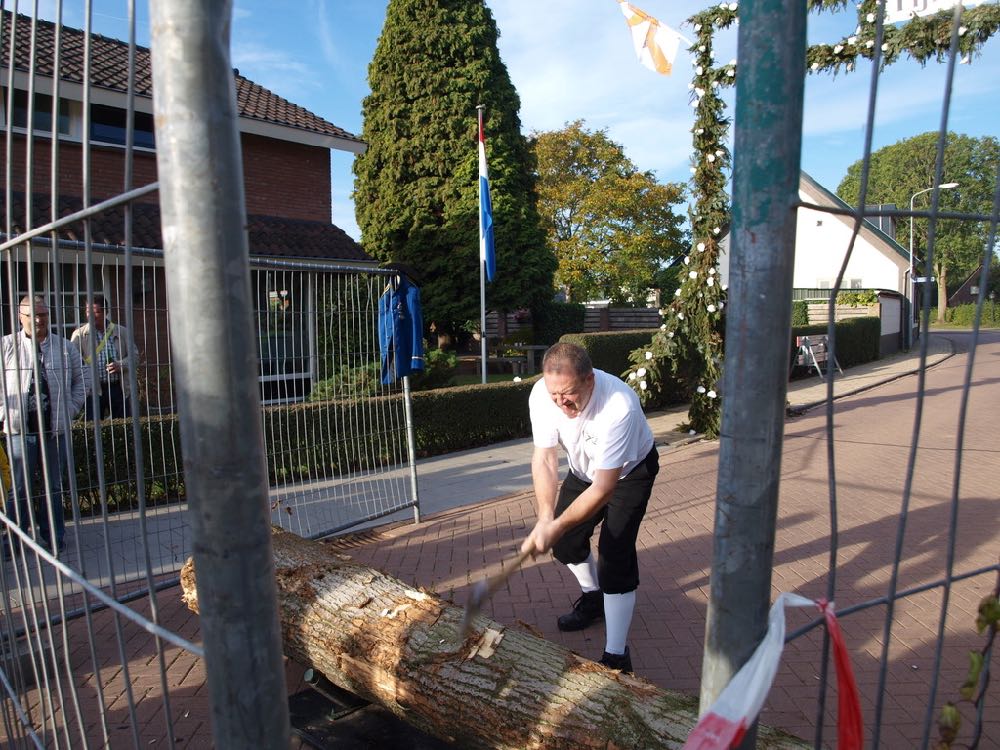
(740, 702)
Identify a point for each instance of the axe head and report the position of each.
(473, 606)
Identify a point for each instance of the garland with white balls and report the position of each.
(689, 345)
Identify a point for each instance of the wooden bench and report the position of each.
(814, 351)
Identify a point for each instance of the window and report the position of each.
(822, 284)
(856, 284)
(284, 339)
(110, 125)
(42, 115)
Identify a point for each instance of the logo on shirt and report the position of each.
(590, 438)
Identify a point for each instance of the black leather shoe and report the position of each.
(621, 662)
(587, 610)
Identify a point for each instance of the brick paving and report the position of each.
(453, 549)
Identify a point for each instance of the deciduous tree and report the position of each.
(612, 226)
(416, 187)
(899, 171)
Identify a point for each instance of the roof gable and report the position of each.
(109, 71)
(872, 233)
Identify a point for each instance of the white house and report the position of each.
(821, 242)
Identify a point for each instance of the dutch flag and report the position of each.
(486, 251)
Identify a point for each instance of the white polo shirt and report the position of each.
(610, 432)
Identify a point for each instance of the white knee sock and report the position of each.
(586, 573)
(617, 619)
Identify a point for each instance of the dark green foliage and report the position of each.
(440, 367)
(349, 382)
(609, 350)
(553, 319)
(902, 170)
(450, 419)
(857, 341)
(965, 315)
(800, 312)
(416, 187)
(164, 481)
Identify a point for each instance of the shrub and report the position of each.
(552, 320)
(965, 315)
(857, 339)
(349, 382)
(609, 350)
(858, 299)
(440, 366)
(800, 312)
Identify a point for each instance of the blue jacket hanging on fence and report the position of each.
(400, 330)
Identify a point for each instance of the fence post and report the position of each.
(211, 326)
(767, 141)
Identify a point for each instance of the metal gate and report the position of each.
(86, 658)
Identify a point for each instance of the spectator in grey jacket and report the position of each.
(110, 345)
(37, 417)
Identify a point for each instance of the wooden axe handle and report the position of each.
(484, 590)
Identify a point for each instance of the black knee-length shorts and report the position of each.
(617, 562)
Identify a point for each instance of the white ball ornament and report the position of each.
(692, 274)
(642, 385)
(711, 394)
(838, 49)
(631, 376)
(641, 372)
(701, 247)
(711, 272)
(711, 282)
(649, 356)
(711, 308)
(701, 389)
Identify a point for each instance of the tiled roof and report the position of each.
(109, 70)
(269, 236)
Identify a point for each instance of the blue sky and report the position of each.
(573, 59)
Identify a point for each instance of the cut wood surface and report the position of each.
(497, 688)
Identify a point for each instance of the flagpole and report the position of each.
(482, 266)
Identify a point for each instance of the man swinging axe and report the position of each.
(612, 464)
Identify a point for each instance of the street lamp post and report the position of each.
(910, 286)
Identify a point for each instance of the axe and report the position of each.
(485, 589)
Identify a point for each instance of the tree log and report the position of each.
(375, 636)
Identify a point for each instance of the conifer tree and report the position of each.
(416, 187)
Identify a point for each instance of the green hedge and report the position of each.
(160, 440)
(609, 350)
(468, 416)
(858, 339)
(331, 438)
(965, 315)
(554, 319)
(800, 312)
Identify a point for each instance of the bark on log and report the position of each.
(498, 688)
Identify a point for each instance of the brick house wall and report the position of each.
(280, 178)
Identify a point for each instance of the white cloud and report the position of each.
(274, 69)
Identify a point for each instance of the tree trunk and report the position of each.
(497, 688)
(942, 287)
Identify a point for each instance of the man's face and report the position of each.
(35, 324)
(570, 393)
(97, 315)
